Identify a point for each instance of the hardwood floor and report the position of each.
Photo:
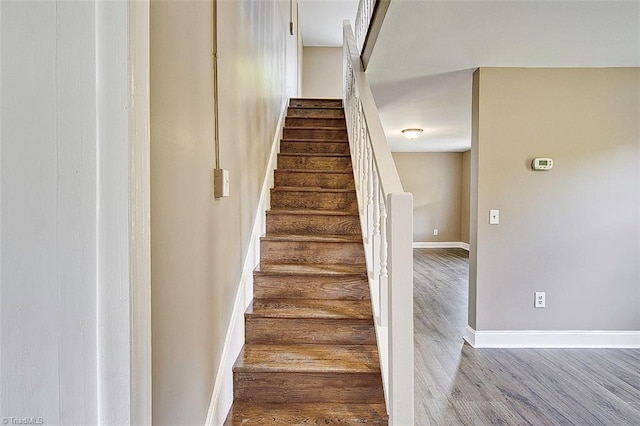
(459, 385)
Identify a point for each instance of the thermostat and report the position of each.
(542, 164)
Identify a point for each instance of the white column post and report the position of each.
(401, 410)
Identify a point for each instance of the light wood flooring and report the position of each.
(459, 385)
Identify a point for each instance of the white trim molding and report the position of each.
(553, 338)
(222, 396)
(140, 212)
(439, 244)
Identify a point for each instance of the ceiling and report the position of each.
(426, 52)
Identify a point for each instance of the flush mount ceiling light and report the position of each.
(411, 133)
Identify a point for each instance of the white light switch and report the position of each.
(494, 217)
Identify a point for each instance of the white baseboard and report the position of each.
(470, 336)
(438, 244)
(222, 396)
(552, 338)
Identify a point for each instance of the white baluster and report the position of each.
(356, 133)
(363, 179)
(375, 243)
(361, 145)
(370, 192)
(358, 118)
(384, 277)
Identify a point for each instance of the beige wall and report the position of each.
(465, 197)
(322, 72)
(198, 243)
(435, 180)
(574, 231)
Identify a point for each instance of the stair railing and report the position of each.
(363, 18)
(386, 216)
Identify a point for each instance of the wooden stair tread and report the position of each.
(344, 141)
(315, 107)
(252, 413)
(319, 118)
(312, 154)
(343, 172)
(316, 127)
(321, 269)
(310, 309)
(310, 189)
(313, 102)
(308, 359)
(312, 212)
(318, 238)
(315, 99)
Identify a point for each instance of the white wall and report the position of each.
(65, 353)
(322, 72)
(573, 231)
(48, 213)
(199, 243)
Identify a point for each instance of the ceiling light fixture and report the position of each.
(411, 133)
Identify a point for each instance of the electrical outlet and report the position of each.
(435, 232)
(540, 299)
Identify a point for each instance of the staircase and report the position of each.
(310, 354)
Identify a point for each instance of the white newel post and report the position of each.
(401, 410)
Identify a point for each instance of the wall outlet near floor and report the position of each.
(540, 299)
(435, 232)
